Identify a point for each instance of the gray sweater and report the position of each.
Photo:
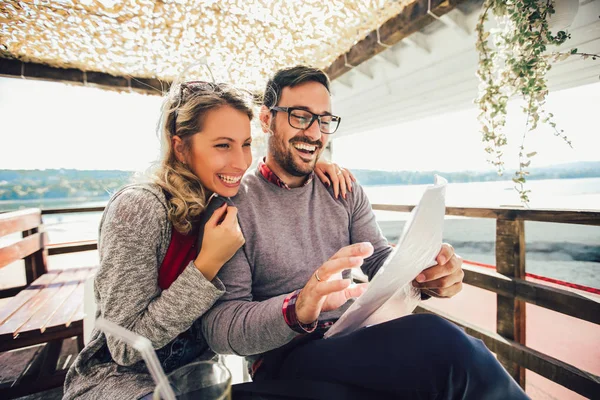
(134, 237)
(289, 234)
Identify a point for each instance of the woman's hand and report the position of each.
(340, 178)
(222, 238)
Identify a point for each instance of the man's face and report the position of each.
(295, 150)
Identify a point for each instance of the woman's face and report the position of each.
(220, 154)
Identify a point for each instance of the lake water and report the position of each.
(574, 194)
(562, 251)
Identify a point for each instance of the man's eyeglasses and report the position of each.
(299, 118)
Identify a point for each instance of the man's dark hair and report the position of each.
(290, 77)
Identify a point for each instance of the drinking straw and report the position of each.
(144, 346)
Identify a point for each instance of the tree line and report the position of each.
(58, 184)
(568, 171)
(100, 184)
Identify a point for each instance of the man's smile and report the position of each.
(305, 147)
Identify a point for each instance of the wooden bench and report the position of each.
(47, 310)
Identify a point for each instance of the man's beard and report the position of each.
(282, 154)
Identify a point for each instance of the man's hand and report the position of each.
(445, 278)
(328, 292)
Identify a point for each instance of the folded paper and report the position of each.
(390, 294)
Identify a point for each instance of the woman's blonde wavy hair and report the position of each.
(183, 113)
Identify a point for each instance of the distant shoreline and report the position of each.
(44, 204)
(584, 169)
(56, 184)
(506, 177)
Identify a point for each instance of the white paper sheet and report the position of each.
(390, 294)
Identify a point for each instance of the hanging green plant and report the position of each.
(516, 63)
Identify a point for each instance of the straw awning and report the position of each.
(244, 41)
(145, 43)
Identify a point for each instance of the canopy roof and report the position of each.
(433, 71)
(243, 41)
(392, 61)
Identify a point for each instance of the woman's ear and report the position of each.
(178, 148)
(265, 119)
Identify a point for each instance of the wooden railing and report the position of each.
(508, 282)
(64, 248)
(513, 291)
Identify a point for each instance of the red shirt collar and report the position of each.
(270, 176)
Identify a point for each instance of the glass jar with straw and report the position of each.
(199, 380)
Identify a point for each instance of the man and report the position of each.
(284, 288)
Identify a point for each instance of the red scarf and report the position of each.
(181, 251)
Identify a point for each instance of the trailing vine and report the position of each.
(516, 63)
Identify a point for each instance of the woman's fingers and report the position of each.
(231, 217)
(217, 215)
(343, 182)
(321, 175)
(339, 178)
(351, 176)
(348, 178)
(335, 182)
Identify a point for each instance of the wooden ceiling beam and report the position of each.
(19, 69)
(413, 17)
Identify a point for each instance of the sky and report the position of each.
(452, 142)
(49, 125)
(53, 125)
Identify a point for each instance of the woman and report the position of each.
(152, 280)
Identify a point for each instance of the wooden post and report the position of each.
(510, 313)
(36, 263)
(30, 261)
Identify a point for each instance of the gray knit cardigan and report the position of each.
(134, 237)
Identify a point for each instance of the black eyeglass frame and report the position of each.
(315, 117)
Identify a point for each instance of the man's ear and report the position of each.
(265, 119)
(178, 148)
